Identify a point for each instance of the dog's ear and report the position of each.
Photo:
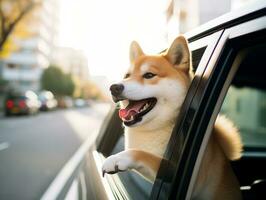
(178, 54)
(135, 51)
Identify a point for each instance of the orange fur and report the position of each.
(151, 161)
(229, 138)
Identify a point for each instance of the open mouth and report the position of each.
(135, 110)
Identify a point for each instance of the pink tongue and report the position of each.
(131, 110)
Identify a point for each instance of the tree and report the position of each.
(3, 85)
(68, 85)
(54, 80)
(12, 12)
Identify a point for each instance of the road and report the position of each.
(33, 149)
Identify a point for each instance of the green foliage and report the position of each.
(69, 85)
(12, 13)
(3, 82)
(55, 80)
(3, 85)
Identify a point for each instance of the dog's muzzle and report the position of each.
(116, 91)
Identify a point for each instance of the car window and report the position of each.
(196, 57)
(245, 101)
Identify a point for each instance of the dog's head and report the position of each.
(154, 87)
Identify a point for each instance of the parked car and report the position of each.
(48, 102)
(228, 56)
(65, 102)
(21, 103)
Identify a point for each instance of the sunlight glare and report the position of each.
(104, 29)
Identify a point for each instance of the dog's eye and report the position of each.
(127, 75)
(148, 75)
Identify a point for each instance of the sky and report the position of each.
(104, 29)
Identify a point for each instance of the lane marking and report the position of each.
(4, 146)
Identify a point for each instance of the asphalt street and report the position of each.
(33, 149)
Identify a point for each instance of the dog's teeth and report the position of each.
(146, 106)
(131, 118)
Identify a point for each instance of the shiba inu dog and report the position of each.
(151, 95)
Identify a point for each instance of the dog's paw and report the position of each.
(117, 163)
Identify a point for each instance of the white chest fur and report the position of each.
(154, 141)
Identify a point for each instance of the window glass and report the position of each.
(245, 102)
(196, 57)
(246, 107)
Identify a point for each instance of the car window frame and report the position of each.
(161, 184)
(224, 54)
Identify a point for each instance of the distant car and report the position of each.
(48, 102)
(21, 103)
(80, 103)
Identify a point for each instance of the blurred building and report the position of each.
(71, 61)
(184, 15)
(23, 68)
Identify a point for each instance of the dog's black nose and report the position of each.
(116, 89)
